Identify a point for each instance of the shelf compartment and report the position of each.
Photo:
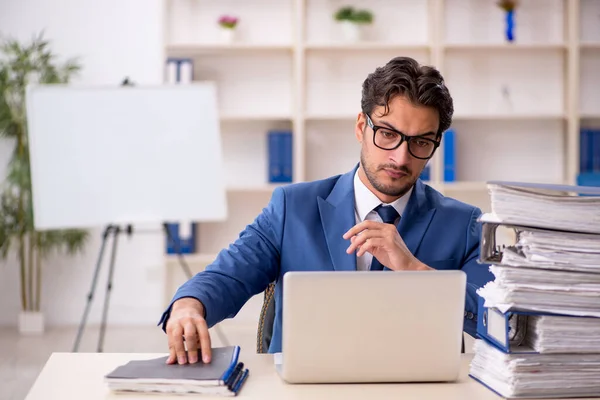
(509, 150)
(249, 91)
(365, 46)
(245, 153)
(537, 22)
(505, 46)
(413, 28)
(506, 83)
(331, 148)
(191, 49)
(334, 81)
(589, 95)
(196, 22)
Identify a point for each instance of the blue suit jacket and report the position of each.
(301, 229)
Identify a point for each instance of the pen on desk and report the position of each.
(234, 375)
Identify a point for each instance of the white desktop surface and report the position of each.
(69, 376)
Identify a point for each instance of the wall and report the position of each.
(113, 39)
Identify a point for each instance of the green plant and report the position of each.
(353, 15)
(20, 65)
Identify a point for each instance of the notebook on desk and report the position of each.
(224, 375)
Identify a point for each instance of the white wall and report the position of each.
(113, 39)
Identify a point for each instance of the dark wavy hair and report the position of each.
(422, 85)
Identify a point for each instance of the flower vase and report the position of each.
(227, 35)
(351, 31)
(510, 25)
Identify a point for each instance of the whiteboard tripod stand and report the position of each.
(115, 230)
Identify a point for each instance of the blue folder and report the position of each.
(505, 331)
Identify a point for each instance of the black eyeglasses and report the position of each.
(389, 139)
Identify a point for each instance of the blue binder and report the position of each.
(426, 173)
(505, 331)
(280, 152)
(180, 244)
(449, 155)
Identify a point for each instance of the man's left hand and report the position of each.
(384, 242)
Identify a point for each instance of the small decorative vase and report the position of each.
(351, 31)
(227, 35)
(510, 25)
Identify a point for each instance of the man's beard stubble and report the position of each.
(388, 190)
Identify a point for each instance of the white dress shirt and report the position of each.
(364, 203)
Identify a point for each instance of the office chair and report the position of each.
(265, 322)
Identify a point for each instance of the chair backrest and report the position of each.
(266, 320)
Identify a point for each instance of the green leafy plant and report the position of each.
(20, 65)
(353, 15)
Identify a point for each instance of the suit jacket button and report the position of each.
(470, 315)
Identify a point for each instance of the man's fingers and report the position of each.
(205, 345)
(177, 343)
(358, 241)
(358, 228)
(370, 245)
(172, 356)
(191, 342)
(172, 336)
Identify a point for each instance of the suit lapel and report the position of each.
(337, 217)
(416, 218)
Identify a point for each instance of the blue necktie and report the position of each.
(388, 214)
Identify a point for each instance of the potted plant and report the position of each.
(228, 24)
(352, 20)
(21, 65)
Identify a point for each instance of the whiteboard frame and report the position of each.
(168, 167)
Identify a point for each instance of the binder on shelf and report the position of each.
(280, 153)
(426, 173)
(184, 237)
(449, 156)
(180, 70)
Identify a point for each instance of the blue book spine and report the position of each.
(583, 155)
(426, 173)
(179, 243)
(449, 156)
(595, 145)
(280, 156)
(287, 157)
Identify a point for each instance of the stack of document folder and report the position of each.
(538, 323)
(224, 375)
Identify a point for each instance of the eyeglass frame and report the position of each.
(403, 138)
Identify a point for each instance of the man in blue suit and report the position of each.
(379, 216)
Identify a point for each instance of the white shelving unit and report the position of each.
(518, 106)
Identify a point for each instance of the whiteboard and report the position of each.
(125, 155)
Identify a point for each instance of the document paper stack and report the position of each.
(224, 375)
(539, 320)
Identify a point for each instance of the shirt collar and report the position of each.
(365, 200)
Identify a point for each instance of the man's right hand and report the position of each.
(187, 321)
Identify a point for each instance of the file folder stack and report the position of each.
(538, 323)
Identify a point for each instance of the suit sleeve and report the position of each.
(477, 274)
(240, 271)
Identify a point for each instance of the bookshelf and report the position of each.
(518, 106)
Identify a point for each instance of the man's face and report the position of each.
(391, 173)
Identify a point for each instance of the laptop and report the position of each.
(364, 326)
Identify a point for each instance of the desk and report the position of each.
(77, 376)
